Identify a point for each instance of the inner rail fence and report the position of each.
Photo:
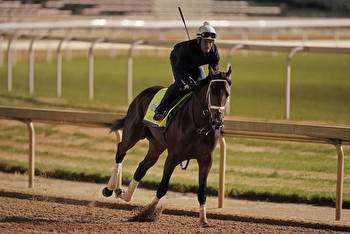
(231, 47)
(285, 131)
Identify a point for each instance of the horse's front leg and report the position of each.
(150, 209)
(204, 163)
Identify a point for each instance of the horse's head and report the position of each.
(217, 94)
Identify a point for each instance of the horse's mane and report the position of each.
(204, 81)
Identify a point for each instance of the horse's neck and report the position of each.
(199, 104)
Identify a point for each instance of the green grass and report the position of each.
(320, 85)
(255, 169)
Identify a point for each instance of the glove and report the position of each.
(190, 84)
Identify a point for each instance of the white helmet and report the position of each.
(206, 31)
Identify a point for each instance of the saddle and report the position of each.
(177, 105)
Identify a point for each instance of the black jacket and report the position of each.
(187, 57)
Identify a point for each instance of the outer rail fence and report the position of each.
(177, 24)
(232, 47)
(336, 136)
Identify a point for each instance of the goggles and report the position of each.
(208, 35)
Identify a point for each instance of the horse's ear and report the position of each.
(228, 73)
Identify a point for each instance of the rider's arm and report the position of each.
(179, 61)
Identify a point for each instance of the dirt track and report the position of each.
(29, 215)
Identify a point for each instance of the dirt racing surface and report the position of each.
(30, 215)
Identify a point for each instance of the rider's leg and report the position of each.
(170, 95)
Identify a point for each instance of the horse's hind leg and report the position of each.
(150, 159)
(131, 135)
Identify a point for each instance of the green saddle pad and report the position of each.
(148, 119)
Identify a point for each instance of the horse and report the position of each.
(192, 134)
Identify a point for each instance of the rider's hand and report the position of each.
(192, 83)
(189, 84)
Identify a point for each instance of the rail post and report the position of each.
(130, 68)
(31, 161)
(59, 67)
(91, 68)
(288, 78)
(222, 170)
(10, 61)
(340, 181)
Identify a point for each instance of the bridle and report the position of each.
(209, 109)
(216, 123)
(208, 96)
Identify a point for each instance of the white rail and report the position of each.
(177, 24)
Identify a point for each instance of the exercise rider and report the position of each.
(186, 59)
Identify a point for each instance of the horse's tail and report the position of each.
(118, 124)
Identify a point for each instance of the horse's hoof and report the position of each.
(107, 192)
(118, 192)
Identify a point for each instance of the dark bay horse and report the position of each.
(192, 134)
